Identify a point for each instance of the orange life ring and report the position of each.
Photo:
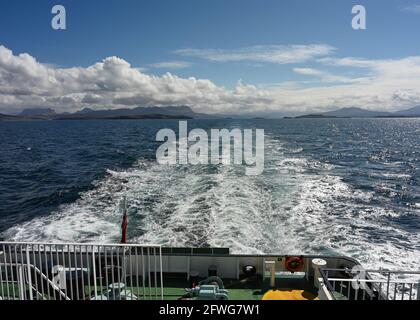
(294, 264)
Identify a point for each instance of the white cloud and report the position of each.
(308, 71)
(280, 54)
(111, 83)
(171, 65)
(414, 8)
(385, 69)
(114, 83)
(326, 77)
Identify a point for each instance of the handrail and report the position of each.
(326, 282)
(78, 244)
(43, 276)
(56, 288)
(373, 271)
(84, 267)
(369, 283)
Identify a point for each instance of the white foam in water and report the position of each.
(287, 210)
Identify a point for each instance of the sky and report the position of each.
(217, 56)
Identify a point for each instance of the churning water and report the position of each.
(330, 186)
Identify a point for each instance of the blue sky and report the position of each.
(201, 39)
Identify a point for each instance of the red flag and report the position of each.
(124, 228)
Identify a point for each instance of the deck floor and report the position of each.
(245, 289)
(175, 286)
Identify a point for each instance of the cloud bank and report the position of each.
(114, 83)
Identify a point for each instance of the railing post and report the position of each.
(387, 286)
(161, 273)
(21, 281)
(28, 263)
(95, 287)
(418, 290)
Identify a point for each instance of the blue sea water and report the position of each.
(330, 186)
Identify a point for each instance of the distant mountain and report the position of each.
(83, 111)
(409, 112)
(362, 113)
(185, 112)
(172, 112)
(7, 117)
(312, 116)
(34, 112)
(355, 113)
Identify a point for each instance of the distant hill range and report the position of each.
(37, 112)
(185, 112)
(362, 113)
(173, 112)
(7, 117)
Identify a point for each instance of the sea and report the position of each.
(343, 187)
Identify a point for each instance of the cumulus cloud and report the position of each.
(280, 54)
(111, 83)
(114, 83)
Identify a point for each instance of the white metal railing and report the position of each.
(47, 271)
(369, 284)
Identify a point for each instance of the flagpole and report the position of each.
(124, 224)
